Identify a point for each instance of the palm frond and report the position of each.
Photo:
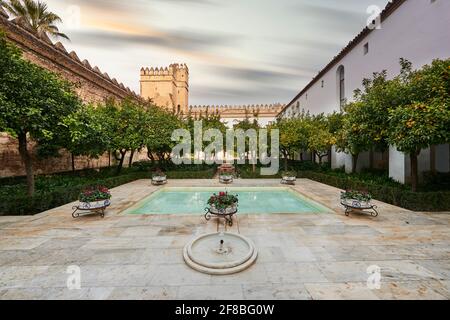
(36, 15)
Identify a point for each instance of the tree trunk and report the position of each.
(151, 157)
(116, 156)
(320, 158)
(285, 161)
(301, 156)
(414, 175)
(130, 162)
(330, 156)
(73, 162)
(27, 161)
(122, 158)
(371, 159)
(354, 162)
(109, 159)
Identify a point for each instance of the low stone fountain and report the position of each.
(220, 253)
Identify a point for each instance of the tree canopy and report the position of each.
(34, 103)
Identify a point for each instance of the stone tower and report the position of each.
(167, 87)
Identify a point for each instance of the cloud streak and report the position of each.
(253, 51)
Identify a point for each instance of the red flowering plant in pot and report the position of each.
(95, 194)
(223, 202)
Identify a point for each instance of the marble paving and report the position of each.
(301, 256)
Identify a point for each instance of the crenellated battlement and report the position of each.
(165, 71)
(255, 107)
(168, 87)
(225, 111)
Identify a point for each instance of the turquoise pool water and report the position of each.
(251, 201)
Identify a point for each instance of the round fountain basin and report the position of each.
(206, 254)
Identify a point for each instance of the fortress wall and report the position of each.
(91, 85)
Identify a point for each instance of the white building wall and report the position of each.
(262, 121)
(443, 158)
(419, 31)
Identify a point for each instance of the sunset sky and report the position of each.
(237, 51)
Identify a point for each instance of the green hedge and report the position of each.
(417, 201)
(17, 203)
(204, 174)
(24, 205)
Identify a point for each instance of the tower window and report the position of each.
(178, 109)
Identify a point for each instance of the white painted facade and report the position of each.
(262, 121)
(419, 31)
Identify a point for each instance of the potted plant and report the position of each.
(225, 177)
(289, 177)
(95, 197)
(356, 199)
(223, 203)
(159, 177)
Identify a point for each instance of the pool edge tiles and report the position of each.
(164, 201)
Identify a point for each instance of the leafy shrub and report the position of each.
(205, 174)
(402, 197)
(13, 204)
(436, 181)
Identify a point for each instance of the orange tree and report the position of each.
(424, 119)
(354, 137)
(321, 136)
(245, 125)
(294, 135)
(158, 133)
(125, 124)
(33, 104)
(366, 119)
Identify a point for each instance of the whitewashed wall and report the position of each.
(419, 30)
(263, 121)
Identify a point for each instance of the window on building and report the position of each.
(323, 84)
(341, 85)
(366, 48)
(178, 109)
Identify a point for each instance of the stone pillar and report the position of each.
(399, 166)
(423, 163)
(337, 158)
(442, 156)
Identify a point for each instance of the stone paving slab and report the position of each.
(301, 256)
